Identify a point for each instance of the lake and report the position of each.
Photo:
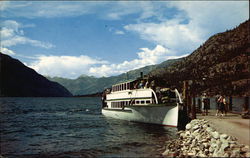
(73, 127)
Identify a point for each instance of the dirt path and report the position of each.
(232, 124)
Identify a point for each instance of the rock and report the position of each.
(206, 152)
(215, 154)
(245, 148)
(204, 140)
(195, 127)
(211, 149)
(166, 152)
(213, 141)
(215, 135)
(224, 146)
(218, 143)
(209, 130)
(206, 145)
(202, 155)
(226, 155)
(191, 154)
(187, 134)
(232, 145)
(205, 126)
(232, 142)
(188, 126)
(200, 140)
(179, 132)
(235, 153)
(223, 136)
(247, 154)
(182, 135)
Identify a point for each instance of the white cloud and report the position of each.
(7, 51)
(191, 27)
(6, 33)
(175, 36)
(214, 16)
(145, 57)
(15, 40)
(114, 10)
(12, 35)
(119, 32)
(64, 66)
(74, 66)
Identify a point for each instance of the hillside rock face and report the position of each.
(17, 80)
(220, 65)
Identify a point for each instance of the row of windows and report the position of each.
(125, 103)
(121, 87)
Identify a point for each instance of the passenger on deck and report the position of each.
(152, 85)
(135, 85)
(141, 85)
(147, 84)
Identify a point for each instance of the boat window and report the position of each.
(137, 102)
(147, 101)
(142, 102)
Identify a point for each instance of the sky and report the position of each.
(106, 38)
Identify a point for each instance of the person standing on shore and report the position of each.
(217, 104)
(204, 104)
(225, 105)
(222, 106)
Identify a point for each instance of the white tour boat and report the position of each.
(139, 102)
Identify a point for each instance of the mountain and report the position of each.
(90, 85)
(220, 65)
(17, 80)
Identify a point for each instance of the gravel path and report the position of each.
(231, 124)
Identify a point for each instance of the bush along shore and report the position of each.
(201, 140)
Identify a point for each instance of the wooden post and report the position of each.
(246, 103)
(185, 87)
(230, 108)
(193, 108)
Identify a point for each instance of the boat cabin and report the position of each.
(139, 93)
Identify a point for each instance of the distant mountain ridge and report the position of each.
(89, 85)
(18, 80)
(220, 65)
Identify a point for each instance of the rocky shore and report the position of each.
(201, 140)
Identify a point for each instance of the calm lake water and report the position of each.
(73, 127)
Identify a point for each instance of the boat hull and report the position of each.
(162, 115)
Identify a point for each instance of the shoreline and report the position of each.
(211, 136)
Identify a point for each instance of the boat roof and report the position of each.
(127, 81)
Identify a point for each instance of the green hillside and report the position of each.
(89, 84)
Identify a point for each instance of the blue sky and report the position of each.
(105, 38)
